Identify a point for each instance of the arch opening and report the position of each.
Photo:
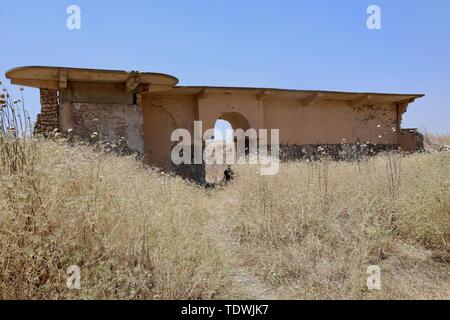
(227, 122)
(237, 120)
(223, 133)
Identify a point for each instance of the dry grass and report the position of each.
(134, 233)
(431, 139)
(312, 230)
(309, 232)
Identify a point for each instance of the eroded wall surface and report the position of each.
(410, 140)
(161, 116)
(212, 106)
(336, 127)
(331, 122)
(110, 122)
(104, 112)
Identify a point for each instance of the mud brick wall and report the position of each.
(411, 140)
(48, 120)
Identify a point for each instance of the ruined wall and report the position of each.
(109, 122)
(410, 140)
(48, 119)
(104, 113)
(212, 106)
(162, 115)
(325, 122)
(332, 127)
(147, 122)
(330, 122)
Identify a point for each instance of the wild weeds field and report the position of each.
(312, 231)
(431, 139)
(309, 232)
(133, 233)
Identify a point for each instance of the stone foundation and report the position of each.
(48, 120)
(336, 152)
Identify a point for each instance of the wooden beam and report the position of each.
(203, 94)
(262, 94)
(63, 79)
(311, 99)
(133, 82)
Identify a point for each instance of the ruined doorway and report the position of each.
(223, 135)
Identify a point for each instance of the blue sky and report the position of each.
(283, 44)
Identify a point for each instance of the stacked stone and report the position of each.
(334, 151)
(37, 125)
(420, 146)
(48, 120)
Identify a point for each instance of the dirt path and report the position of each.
(245, 285)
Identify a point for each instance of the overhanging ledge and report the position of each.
(59, 78)
(56, 78)
(306, 97)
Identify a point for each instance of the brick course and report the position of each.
(48, 120)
